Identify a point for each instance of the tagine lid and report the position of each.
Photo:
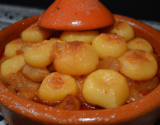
(76, 15)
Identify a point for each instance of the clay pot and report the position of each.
(18, 111)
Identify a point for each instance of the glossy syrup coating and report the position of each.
(122, 28)
(76, 58)
(12, 65)
(85, 36)
(141, 44)
(35, 33)
(76, 15)
(38, 54)
(106, 88)
(109, 44)
(13, 46)
(138, 65)
(56, 86)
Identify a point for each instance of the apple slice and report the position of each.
(106, 88)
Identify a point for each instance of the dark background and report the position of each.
(138, 9)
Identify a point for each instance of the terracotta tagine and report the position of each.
(18, 111)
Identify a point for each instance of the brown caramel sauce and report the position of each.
(28, 89)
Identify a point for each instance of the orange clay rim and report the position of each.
(49, 115)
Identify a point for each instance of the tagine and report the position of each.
(80, 58)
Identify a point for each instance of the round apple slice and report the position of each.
(106, 88)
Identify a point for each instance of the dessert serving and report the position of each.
(84, 59)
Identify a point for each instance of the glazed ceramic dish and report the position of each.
(18, 111)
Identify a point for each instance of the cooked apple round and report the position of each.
(38, 54)
(76, 58)
(85, 36)
(109, 44)
(106, 88)
(56, 86)
(122, 28)
(138, 65)
(141, 44)
(35, 33)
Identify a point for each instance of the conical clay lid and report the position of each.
(76, 15)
